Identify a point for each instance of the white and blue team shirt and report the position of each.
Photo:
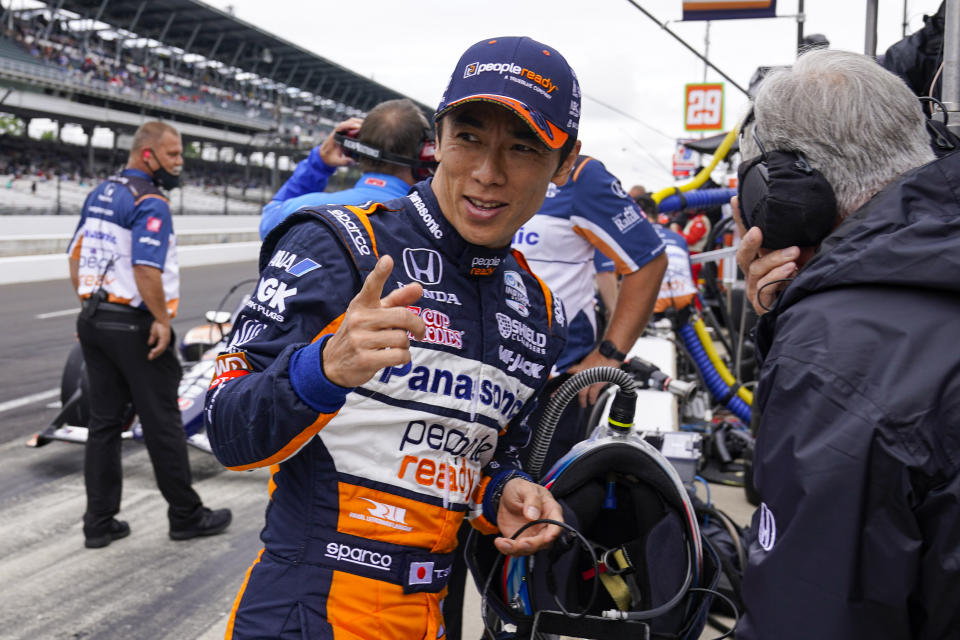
(125, 221)
(677, 289)
(590, 213)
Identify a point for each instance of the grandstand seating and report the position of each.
(47, 54)
(13, 51)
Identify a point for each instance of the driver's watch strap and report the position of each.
(609, 350)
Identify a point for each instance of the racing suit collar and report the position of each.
(472, 260)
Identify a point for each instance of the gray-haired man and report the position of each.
(858, 449)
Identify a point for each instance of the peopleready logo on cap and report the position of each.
(508, 67)
(525, 76)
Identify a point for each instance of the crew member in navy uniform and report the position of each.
(123, 265)
(385, 364)
(592, 213)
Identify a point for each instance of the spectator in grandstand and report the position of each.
(377, 466)
(123, 266)
(395, 127)
(857, 458)
(636, 191)
(592, 212)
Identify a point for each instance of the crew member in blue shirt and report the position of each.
(393, 147)
(123, 266)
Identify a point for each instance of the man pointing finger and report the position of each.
(387, 390)
(373, 334)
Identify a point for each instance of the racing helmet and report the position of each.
(627, 500)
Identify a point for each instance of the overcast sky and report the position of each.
(621, 57)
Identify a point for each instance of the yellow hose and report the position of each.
(745, 394)
(701, 177)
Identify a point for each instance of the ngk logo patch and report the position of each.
(274, 293)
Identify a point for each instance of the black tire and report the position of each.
(75, 377)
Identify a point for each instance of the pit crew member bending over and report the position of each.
(381, 374)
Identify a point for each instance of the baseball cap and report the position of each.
(528, 77)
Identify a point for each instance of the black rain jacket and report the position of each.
(917, 56)
(858, 449)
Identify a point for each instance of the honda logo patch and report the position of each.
(423, 265)
(766, 528)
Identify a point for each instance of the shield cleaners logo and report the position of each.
(423, 265)
(511, 329)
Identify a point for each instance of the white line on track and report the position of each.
(25, 400)
(56, 314)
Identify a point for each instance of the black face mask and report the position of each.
(161, 177)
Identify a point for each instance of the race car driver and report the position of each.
(380, 372)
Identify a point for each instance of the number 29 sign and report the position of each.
(703, 107)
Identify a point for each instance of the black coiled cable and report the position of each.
(567, 392)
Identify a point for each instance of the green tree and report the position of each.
(11, 125)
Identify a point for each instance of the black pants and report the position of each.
(456, 584)
(115, 351)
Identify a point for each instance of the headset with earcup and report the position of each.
(790, 201)
(423, 164)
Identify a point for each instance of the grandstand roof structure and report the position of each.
(198, 28)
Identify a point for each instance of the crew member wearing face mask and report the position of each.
(123, 265)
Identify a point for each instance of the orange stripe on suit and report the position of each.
(360, 608)
(377, 515)
(291, 447)
(333, 327)
(362, 215)
(304, 436)
(271, 483)
(75, 254)
(236, 601)
(547, 294)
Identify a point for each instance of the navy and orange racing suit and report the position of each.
(369, 485)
